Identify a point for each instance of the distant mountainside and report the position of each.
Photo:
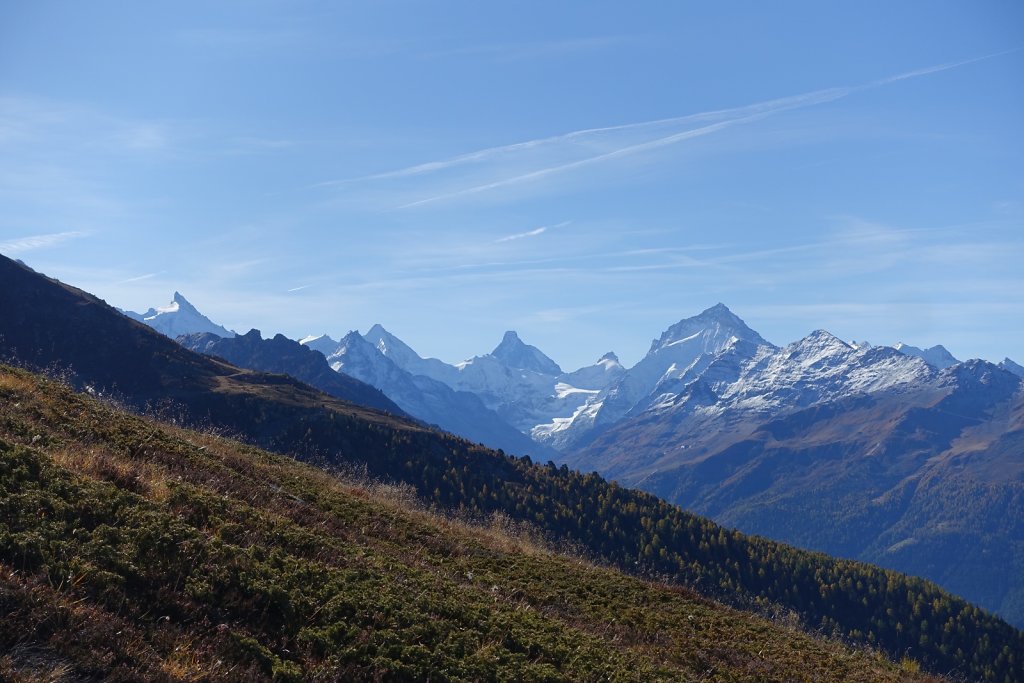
(848, 450)
(288, 357)
(47, 324)
(516, 380)
(434, 402)
(682, 352)
(177, 318)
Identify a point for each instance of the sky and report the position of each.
(586, 173)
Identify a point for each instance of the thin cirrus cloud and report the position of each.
(139, 278)
(532, 233)
(531, 160)
(31, 242)
(521, 235)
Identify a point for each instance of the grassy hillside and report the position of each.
(50, 324)
(133, 550)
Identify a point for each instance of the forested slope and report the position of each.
(131, 550)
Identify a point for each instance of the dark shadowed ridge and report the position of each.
(289, 357)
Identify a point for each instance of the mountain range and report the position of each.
(46, 324)
(834, 446)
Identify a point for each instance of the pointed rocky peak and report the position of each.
(515, 353)
(606, 370)
(715, 325)
(253, 335)
(353, 338)
(352, 346)
(391, 346)
(1011, 366)
(824, 337)
(355, 343)
(817, 344)
(179, 317)
(509, 340)
(178, 304)
(720, 310)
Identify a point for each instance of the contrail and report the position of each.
(731, 115)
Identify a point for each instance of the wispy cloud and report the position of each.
(298, 289)
(587, 161)
(531, 160)
(532, 233)
(521, 235)
(139, 278)
(31, 242)
(588, 135)
(928, 70)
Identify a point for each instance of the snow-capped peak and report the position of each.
(391, 346)
(823, 339)
(717, 322)
(179, 317)
(515, 353)
(937, 356)
(606, 370)
(403, 356)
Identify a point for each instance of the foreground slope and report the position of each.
(625, 528)
(132, 550)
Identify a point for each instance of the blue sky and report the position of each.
(585, 173)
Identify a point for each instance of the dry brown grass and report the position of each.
(143, 477)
